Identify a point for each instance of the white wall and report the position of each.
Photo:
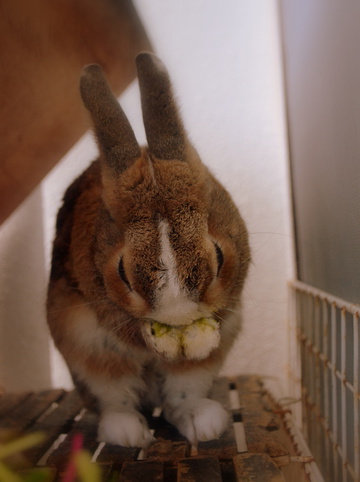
(225, 61)
(24, 345)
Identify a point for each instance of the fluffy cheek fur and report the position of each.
(86, 346)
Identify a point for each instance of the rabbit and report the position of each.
(149, 261)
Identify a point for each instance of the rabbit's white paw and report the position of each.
(199, 419)
(128, 429)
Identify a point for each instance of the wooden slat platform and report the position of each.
(255, 447)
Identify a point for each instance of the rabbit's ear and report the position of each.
(164, 129)
(114, 134)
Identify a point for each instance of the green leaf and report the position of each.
(88, 471)
(7, 475)
(20, 444)
(38, 475)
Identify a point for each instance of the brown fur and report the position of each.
(112, 212)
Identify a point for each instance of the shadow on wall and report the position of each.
(24, 340)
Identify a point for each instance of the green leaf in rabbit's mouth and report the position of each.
(160, 329)
(194, 341)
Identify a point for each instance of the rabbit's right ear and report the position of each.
(114, 134)
(164, 128)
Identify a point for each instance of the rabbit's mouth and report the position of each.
(193, 342)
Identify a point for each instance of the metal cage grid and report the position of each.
(324, 374)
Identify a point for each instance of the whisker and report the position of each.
(237, 312)
(130, 327)
(119, 325)
(235, 330)
(237, 299)
(77, 306)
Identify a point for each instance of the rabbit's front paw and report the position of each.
(128, 429)
(199, 419)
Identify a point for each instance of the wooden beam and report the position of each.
(43, 48)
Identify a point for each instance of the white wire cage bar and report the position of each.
(324, 374)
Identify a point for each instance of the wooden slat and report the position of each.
(9, 401)
(142, 471)
(167, 451)
(170, 473)
(256, 468)
(227, 471)
(114, 454)
(199, 469)
(27, 412)
(87, 426)
(55, 423)
(170, 446)
(224, 447)
(248, 385)
(256, 421)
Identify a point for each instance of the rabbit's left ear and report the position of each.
(164, 129)
(115, 136)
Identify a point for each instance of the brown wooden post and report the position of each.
(43, 48)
